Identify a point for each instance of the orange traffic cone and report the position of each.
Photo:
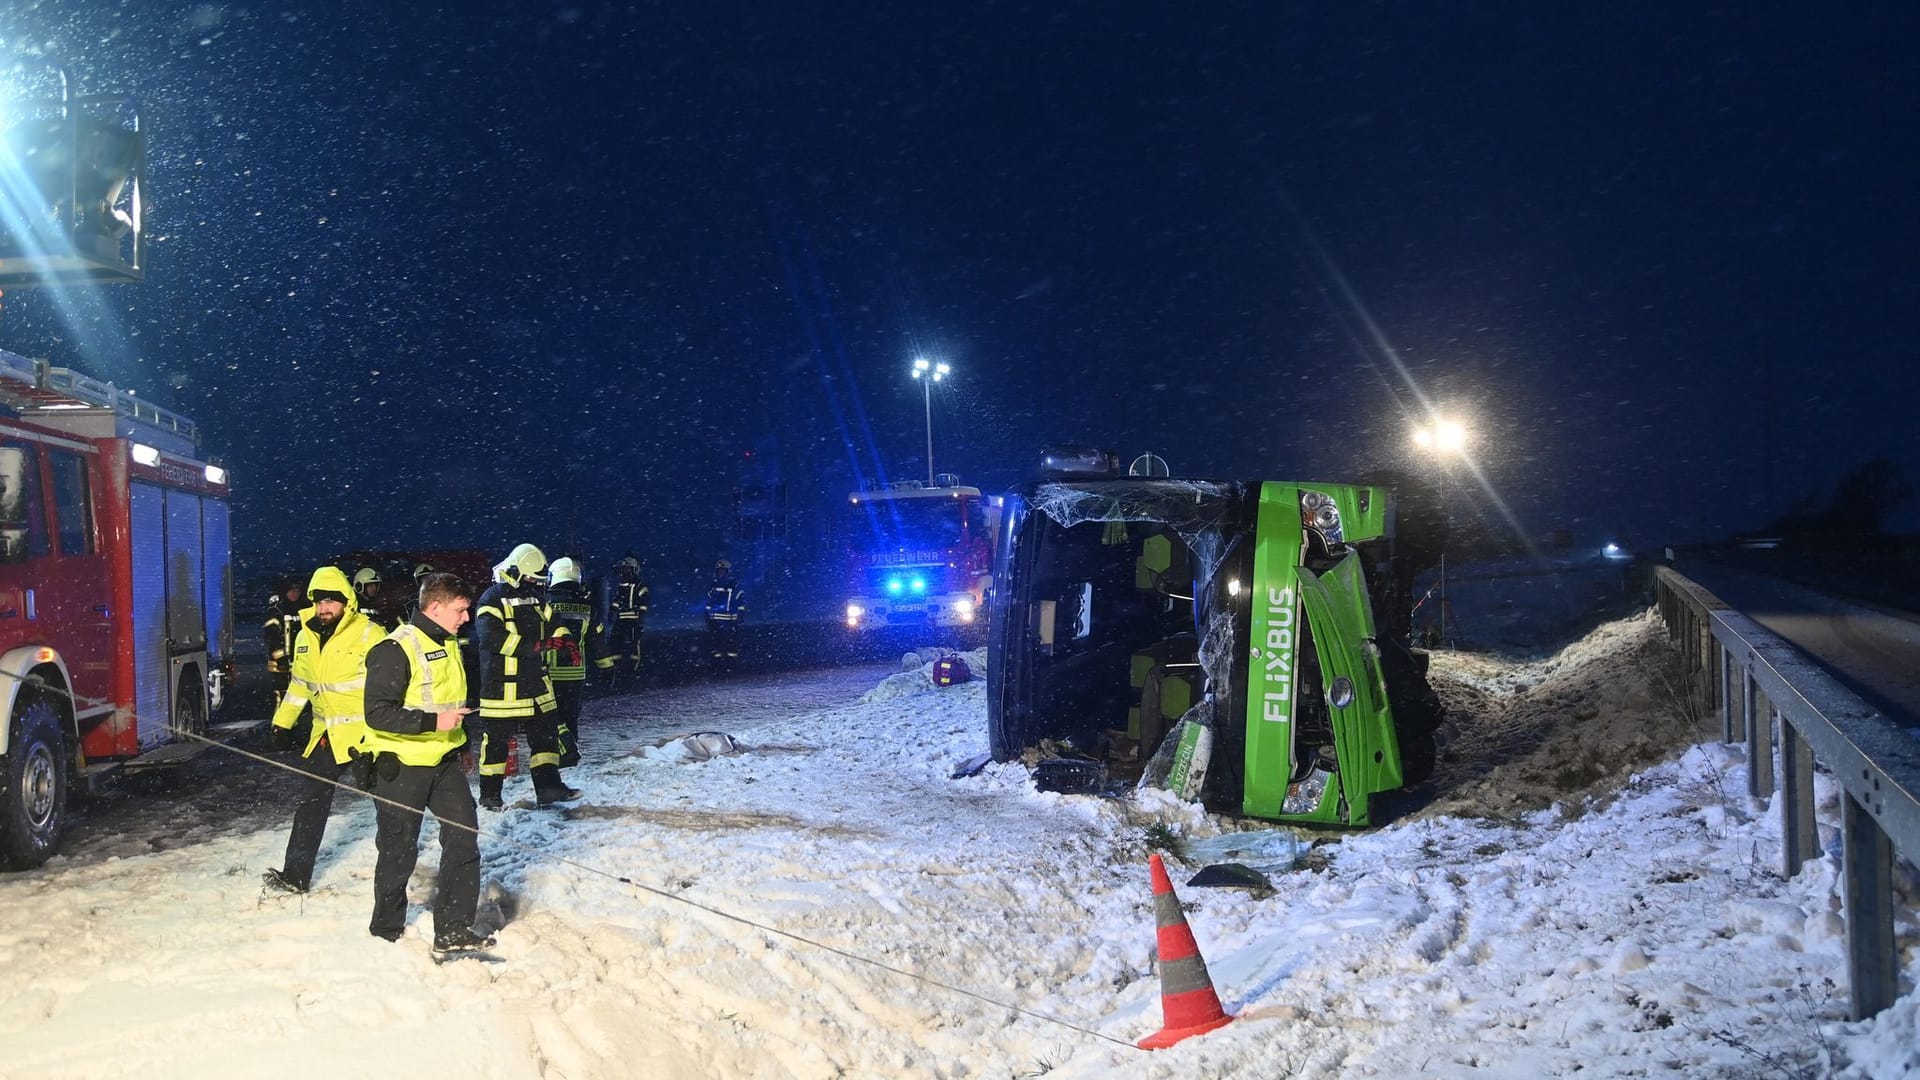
(1187, 1000)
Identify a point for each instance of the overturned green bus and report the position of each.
(1224, 638)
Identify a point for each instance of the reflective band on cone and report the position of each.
(1187, 1000)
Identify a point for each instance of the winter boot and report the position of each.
(490, 788)
(548, 788)
(277, 881)
(461, 939)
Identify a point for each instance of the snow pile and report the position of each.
(1647, 935)
(1526, 734)
(916, 676)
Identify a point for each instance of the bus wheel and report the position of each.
(36, 802)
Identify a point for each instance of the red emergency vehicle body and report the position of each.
(115, 574)
(918, 556)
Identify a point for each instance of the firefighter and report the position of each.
(416, 692)
(412, 608)
(329, 670)
(367, 584)
(283, 624)
(510, 625)
(626, 614)
(726, 604)
(576, 637)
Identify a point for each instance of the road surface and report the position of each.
(1873, 651)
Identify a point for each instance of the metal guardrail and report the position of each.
(1759, 685)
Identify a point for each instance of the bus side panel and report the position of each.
(147, 549)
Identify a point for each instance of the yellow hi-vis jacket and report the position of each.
(436, 681)
(333, 675)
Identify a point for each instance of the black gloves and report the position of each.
(284, 739)
(362, 766)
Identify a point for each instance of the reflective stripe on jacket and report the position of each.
(436, 681)
(572, 630)
(331, 674)
(509, 624)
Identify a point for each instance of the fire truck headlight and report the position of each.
(963, 609)
(894, 586)
(854, 613)
(216, 475)
(919, 585)
(145, 455)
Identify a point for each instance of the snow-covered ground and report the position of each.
(1640, 928)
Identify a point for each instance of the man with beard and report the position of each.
(329, 671)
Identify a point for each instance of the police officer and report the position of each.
(282, 626)
(510, 625)
(329, 670)
(627, 613)
(726, 603)
(415, 705)
(575, 639)
(366, 582)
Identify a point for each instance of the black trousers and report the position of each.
(625, 635)
(567, 725)
(310, 816)
(543, 743)
(441, 790)
(723, 639)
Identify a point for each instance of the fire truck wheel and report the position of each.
(36, 805)
(189, 708)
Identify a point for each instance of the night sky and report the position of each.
(484, 273)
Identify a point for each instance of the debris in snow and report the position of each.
(696, 746)
(1232, 875)
(1070, 776)
(970, 766)
(1269, 851)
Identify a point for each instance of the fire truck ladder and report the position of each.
(36, 386)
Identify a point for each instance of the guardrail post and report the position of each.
(1868, 858)
(1799, 837)
(1757, 713)
(1705, 655)
(1730, 730)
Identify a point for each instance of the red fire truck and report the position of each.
(920, 556)
(115, 593)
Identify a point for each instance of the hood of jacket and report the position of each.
(331, 579)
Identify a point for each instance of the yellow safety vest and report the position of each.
(436, 680)
(333, 676)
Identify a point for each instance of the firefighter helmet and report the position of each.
(524, 563)
(366, 575)
(421, 571)
(630, 563)
(723, 566)
(565, 569)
